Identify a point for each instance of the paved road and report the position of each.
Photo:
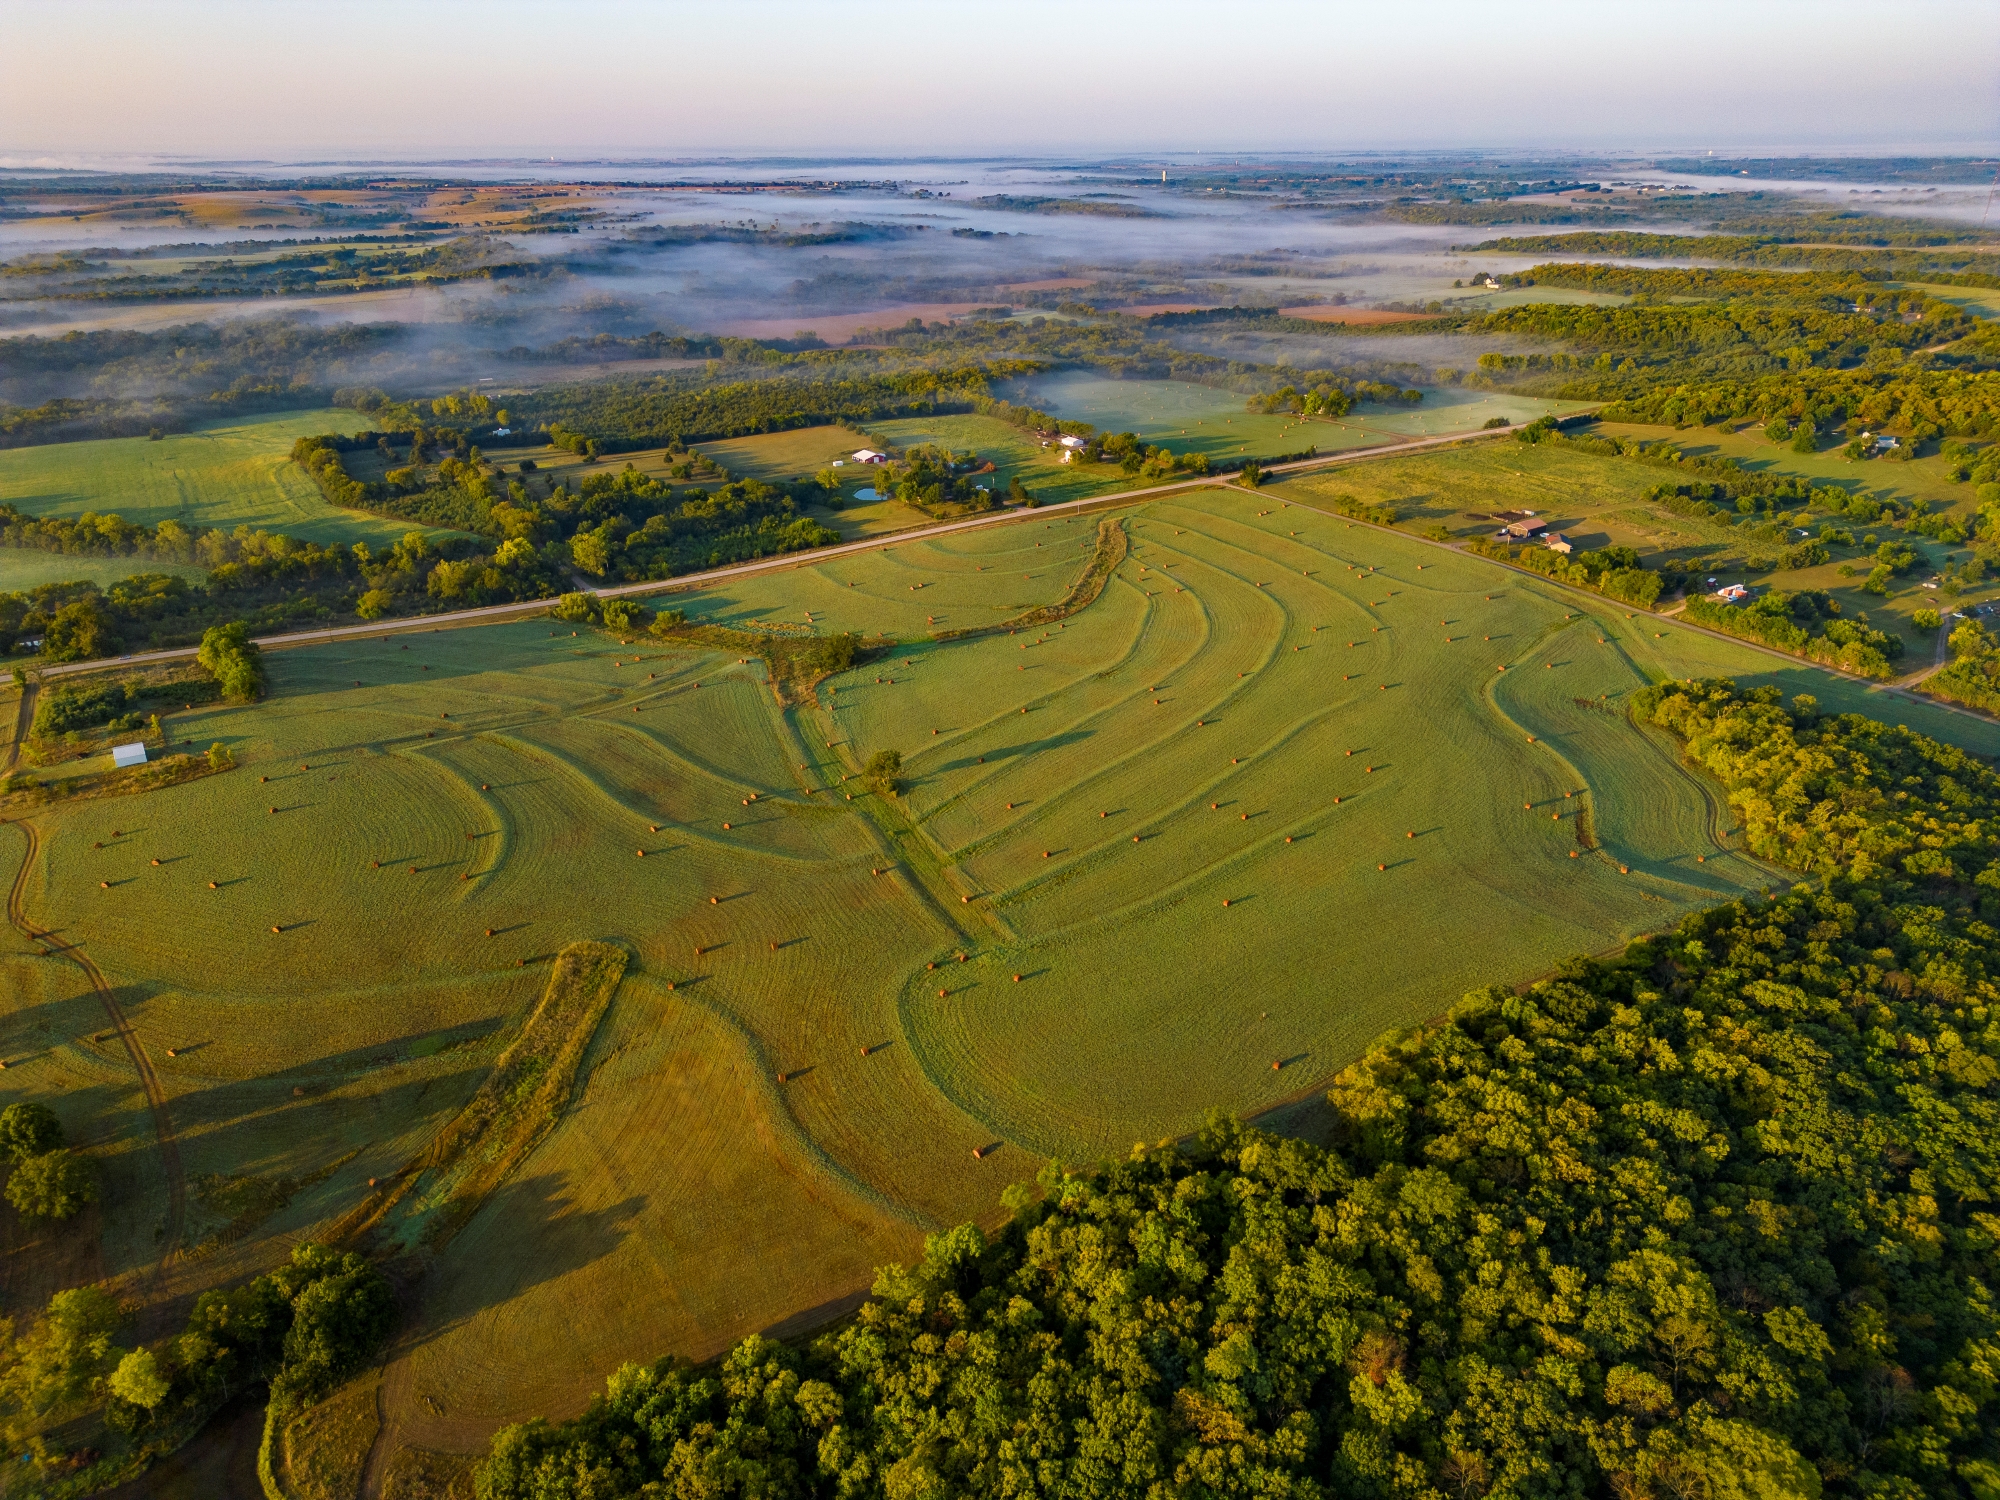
(493, 613)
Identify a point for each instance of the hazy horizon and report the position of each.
(888, 80)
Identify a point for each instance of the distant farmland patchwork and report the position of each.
(1194, 845)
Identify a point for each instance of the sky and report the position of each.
(292, 79)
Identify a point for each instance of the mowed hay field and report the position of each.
(1268, 706)
(229, 474)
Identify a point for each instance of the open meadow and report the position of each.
(1189, 417)
(228, 474)
(1287, 783)
(1598, 502)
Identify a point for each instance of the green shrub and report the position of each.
(70, 706)
(234, 660)
(624, 614)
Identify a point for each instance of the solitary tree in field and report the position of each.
(884, 767)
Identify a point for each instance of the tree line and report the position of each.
(1705, 1218)
(1966, 266)
(299, 1330)
(1807, 623)
(275, 583)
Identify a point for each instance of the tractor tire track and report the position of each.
(149, 1080)
(23, 720)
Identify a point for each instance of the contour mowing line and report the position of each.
(149, 1081)
(493, 808)
(669, 749)
(1125, 658)
(1656, 738)
(918, 881)
(1490, 692)
(1090, 715)
(786, 1123)
(1157, 823)
(1103, 768)
(604, 794)
(1108, 767)
(1676, 763)
(424, 754)
(1180, 891)
(1339, 593)
(1316, 549)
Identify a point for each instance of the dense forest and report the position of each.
(617, 525)
(1709, 1218)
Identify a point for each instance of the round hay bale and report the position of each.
(173, 1052)
(104, 885)
(725, 828)
(1276, 1065)
(1381, 867)
(156, 864)
(274, 927)
(1225, 900)
(965, 900)
(784, 1078)
(212, 885)
(1572, 854)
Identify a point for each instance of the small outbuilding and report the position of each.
(133, 754)
(1734, 593)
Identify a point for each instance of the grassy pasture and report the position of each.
(1189, 417)
(1179, 414)
(22, 568)
(230, 474)
(1599, 502)
(1013, 451)
(544, 787)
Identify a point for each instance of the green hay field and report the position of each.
(1598, 502)
(230, 474)
(1267, 706)
(23, 568)
(1188, 417)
